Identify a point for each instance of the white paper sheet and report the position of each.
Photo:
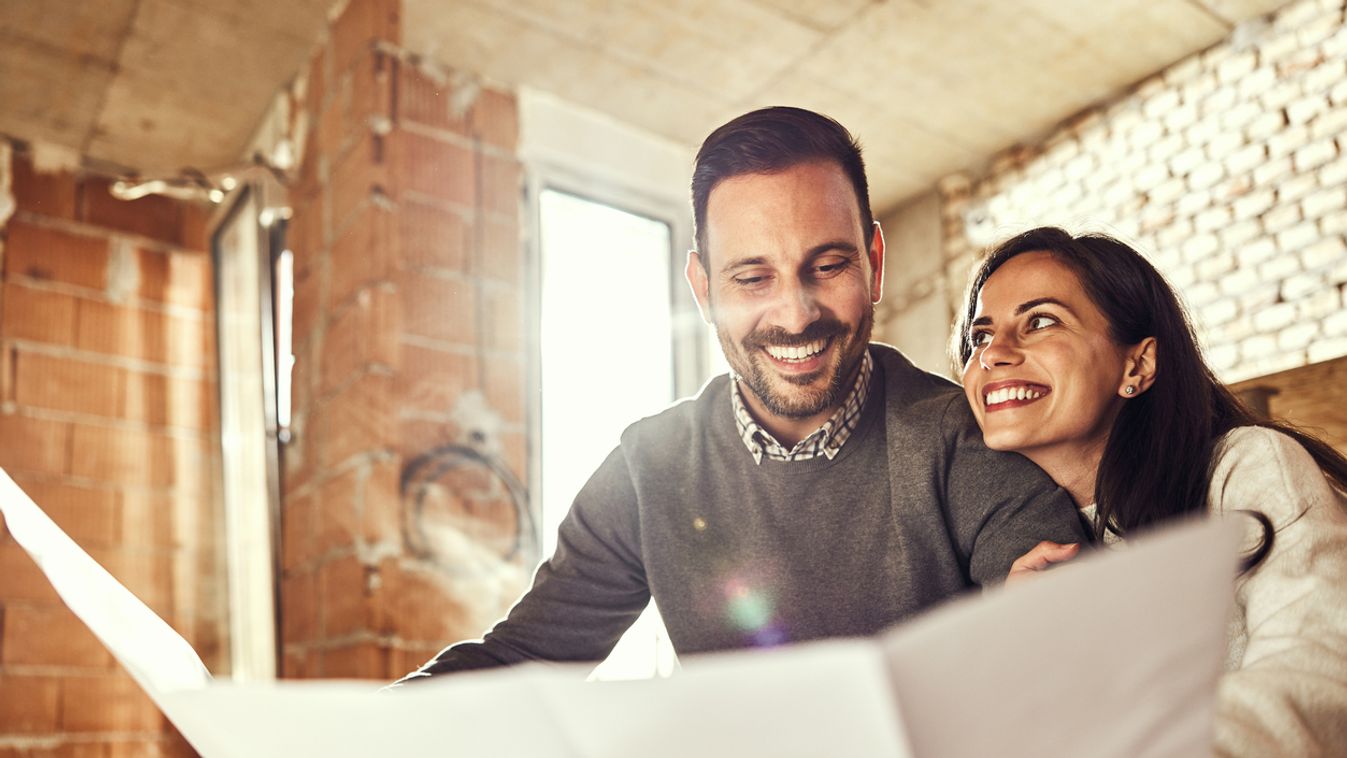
(1115, 656)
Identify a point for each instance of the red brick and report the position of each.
(435, 168)
(37, 315)
(29, 704)
(336, 523)
(426, 100)
(502, 256)
(304, 233)
(168, 400)
(72, 749)
(344, 606)
(504, 316)
(416, 436)
(297, 532)
(357, 420)
(148, 574)
(308, 304)
(381, 516)
(147, 517)
(196, 227)
(441, 309)
(153, 216)
(50, 194)
(88, 515)
(148, 335)
(65, 384)
(111, 703)
(362, 335)
(357, 177)
(360, 25)
(23, 580)
(501, 184)
(299, 664)
(32, 444)
(180, 278)
(504, 383)
(49, 635)
(363, 254)
(434, 238)
(335, 127)
(495, 119)
(299, 608)
(362, 660)
(136, 457)
(7, 360)
(433, 380)
(417, 606)
(55, 255)
(315, 88)
(372, 88)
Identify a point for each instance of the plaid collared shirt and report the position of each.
(827, 440)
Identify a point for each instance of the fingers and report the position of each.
(1042, 556)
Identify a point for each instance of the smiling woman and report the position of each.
(1076, 353)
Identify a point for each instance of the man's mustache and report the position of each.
(775, 335)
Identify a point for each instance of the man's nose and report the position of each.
(796, 307)
(1000, 350)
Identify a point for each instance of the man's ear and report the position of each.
(1140, 369)
(700, 284)
(877, 264)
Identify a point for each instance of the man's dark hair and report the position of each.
(770, 140)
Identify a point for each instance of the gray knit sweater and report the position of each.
(913, 510)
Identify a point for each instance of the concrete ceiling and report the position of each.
(155, 85)
(930, 86)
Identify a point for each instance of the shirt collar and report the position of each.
(827, 440)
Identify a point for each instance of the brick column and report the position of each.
(408, 336)
(108, 420)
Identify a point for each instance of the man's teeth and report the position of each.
(796, 353)
(1007, 394)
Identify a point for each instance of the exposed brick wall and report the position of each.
(108, 420)
(408, 320)
(1228, 169)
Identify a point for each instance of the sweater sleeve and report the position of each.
(1000, 505)
(582, 599)
(1288, 694)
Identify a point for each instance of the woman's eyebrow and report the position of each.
(1028, 305)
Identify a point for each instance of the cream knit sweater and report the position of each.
(1285, 690)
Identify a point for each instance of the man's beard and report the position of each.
(798, 399)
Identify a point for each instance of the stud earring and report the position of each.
(1129, 390)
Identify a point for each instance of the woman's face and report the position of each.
(1044, 378)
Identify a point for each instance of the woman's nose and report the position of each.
(999, 351)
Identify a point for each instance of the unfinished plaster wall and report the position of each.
(108, 420)
(1227, 169)
(408, 335)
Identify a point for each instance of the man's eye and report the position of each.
(749, 281)
(1039, 321)
(827, 269)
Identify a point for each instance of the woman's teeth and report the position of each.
(1007, 394)
(801, 353)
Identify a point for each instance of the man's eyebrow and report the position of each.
(738, 263)
(1028, 305)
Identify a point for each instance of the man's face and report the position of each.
(790, 287)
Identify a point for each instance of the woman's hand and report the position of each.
(1041, 557)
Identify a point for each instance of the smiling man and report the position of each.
(826, 487)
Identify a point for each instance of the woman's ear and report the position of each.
(1139, 369)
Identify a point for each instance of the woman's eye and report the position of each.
(1041, 322)
(978, 339)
